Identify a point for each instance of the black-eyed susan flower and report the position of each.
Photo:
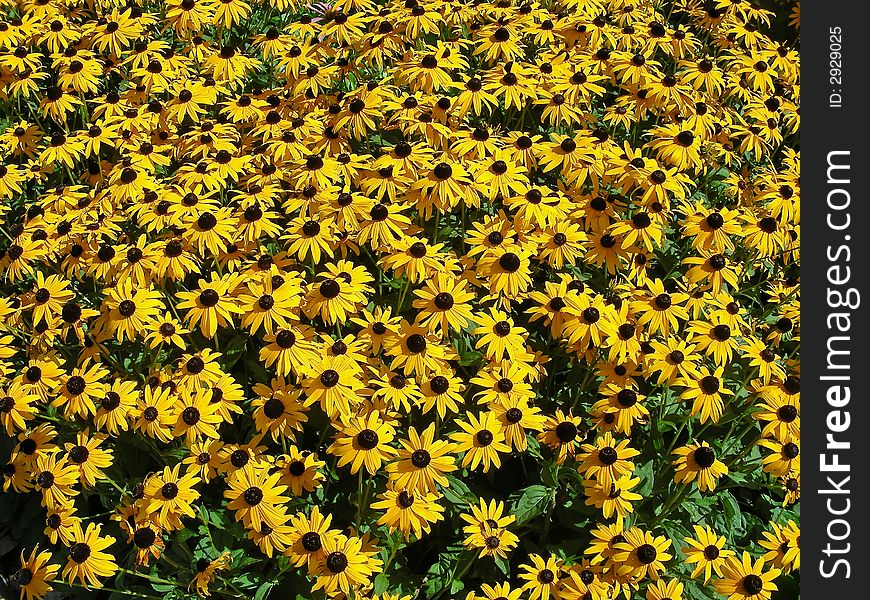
(482, 439)
(81, 389)
(625, 403)
(782, 544)
(256, 496)
(411, 512)
(212, 305)
(300, 471)
(87, 561)
(784, 458)
(333, 382)
(168, 496)
(278, 409)
(417, 351)
(54, 477)
(541, 576)
(16, 408)
(499, 590)
(444, 303)
(642, 553)
(705, 390)
(706, 550)
(422, 461)
(364, 441)
(204, 459)
(154, 414)
(89, 457)
(744, 578)
(341, 566)
(487, 529)
(206, 572)
(36, 574)
(606, 460)
(562, 434)
(664, 590)
(309, 533)
(441, 391)
(507, 269)
(500, 338)
(614, 499)
(197, 415)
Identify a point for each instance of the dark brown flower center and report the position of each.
(566, 431)
(710, 384)
(336, 562)
(509, 262)
(421, 458)
(753, 584)
(626, 398)
(646, 553)
(711, 552)
(484, 437)
(329, 378)
(127, 308)
(144, 537)
(79, 552)
(367, 439)
(416, 343)
(190, 415)
(330, 289)
(253, 496)
(75, 385)
(78, 454)
(607, 455)
(169, 490)
(209, 298)
(311, 541)
(704, 457)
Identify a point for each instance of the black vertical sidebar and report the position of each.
(835, 299)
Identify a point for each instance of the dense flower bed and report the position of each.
(400, 299)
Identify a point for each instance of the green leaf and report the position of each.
(439, 574)
(382, 582)
(263, 591)
(730, 506)
(787, 588)
(469, 358)
(550, 474)
(458, 493)
(184, 535)
(646, 472)
(531, 503)
(502, 564)
(234, 351)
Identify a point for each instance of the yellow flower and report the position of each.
(169, 496)
(363, 441)
(36, 574)
(87, 562)
(482, 439)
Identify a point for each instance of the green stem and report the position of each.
(466, 561)
(110, 589)
(671, 504)
(147, 576)
(401, 301)
(359, 489)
